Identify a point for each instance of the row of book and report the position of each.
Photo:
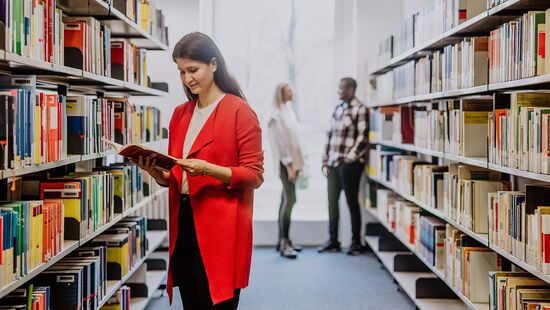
(464, 263)
(47, 212)
(39, 30)
(33, 29)
(478, 200)
(519, 223)
(80, 280)
(510, 130)
(146, 15)
(31, 232)
(31, 128)
(28, 298)
(38, 127)
(518, 49)
(435, 18)
(515, 50)
(89, 46)
(518, 131)
(457, 66)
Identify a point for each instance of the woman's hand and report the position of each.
(194, 167)
(292, 173)
(147, 165)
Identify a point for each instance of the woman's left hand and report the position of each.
(194, 166)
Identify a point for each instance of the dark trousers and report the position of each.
(346, 177)
(288, 199)
(188, 268)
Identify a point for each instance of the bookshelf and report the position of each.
(71, 159)
(481, 23)
(59, 79)
(71, 245)
(121, 25)
(435, 271)
(514, 168)
(408, 281)
(155, 239)
(472, 161)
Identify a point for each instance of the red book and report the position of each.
(134, 151)
(118, 60)
(75, 44)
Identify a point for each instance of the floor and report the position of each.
(314, 281)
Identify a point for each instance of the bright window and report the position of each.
(256, 39)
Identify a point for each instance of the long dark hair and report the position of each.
(200, 47)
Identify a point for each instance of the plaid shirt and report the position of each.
(347, 137)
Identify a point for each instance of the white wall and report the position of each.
(412, 6)
(376, 20)
(181, 17)
(345, 40)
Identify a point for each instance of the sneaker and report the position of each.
(355, 249)
(330, 247)
(287, 250)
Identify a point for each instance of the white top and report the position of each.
(198, 119)
(283, 136)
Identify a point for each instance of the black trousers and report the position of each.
(188, 268)
(346, 177)
(288, 199)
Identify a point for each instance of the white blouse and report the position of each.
(198, 119)
(283, 137)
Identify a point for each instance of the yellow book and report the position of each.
(145, 15)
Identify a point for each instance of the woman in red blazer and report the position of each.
(217, 138)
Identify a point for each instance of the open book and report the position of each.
(133, 151)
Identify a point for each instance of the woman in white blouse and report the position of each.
(287, 154)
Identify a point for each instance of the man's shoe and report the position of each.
(297, 248)
(330, 247)
(287, 250)
(355, 249)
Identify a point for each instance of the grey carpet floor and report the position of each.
(314, 281)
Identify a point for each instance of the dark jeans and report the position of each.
(346, 177)
(288, 199)
(189, 272)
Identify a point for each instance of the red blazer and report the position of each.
(231, 137)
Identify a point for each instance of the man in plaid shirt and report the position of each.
(343, 163)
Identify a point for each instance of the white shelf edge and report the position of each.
(532, 270)
(437, 272)
(68, 247)
(404, 279)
